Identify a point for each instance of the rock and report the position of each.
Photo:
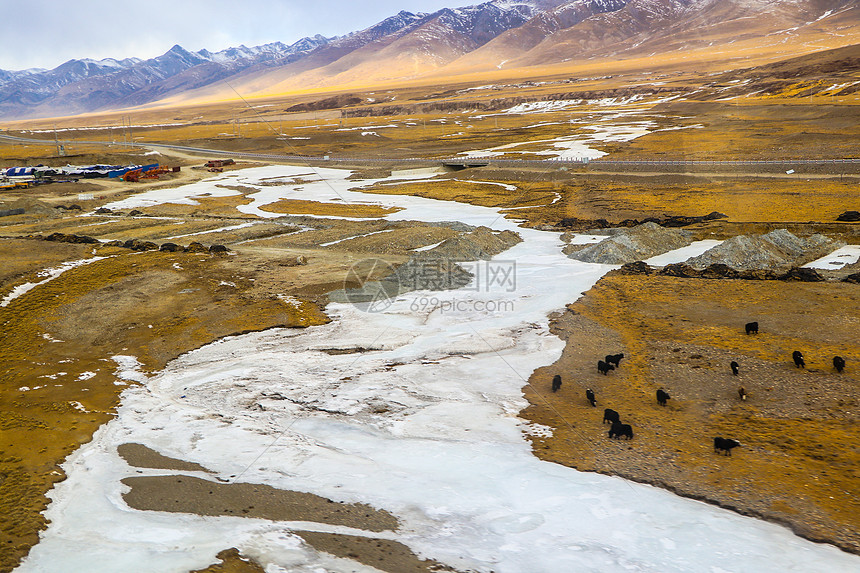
(171, 248)
(293, 262)
(679, 270)
(719, 271)
(134, 213)
(804, 275)
(777, 250)
(63, 238)
(850, 216)
(636, 268)
(666, 221)
(195, 247)
(138, 245)
(482, 243)
(581, 224)
(103, 210)
(218, 249)
(853, 278)
(642, 242)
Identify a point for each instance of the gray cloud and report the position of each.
(46, 33)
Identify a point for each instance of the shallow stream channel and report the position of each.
(410, 407)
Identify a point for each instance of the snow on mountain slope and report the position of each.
(499, 34)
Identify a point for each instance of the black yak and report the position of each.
(604, 367)
(556, 382)
(611, 416)
(618, 430)
(614, 359)
(662, 396)
(742, 393)
(751, 327)
(838, 363)
(725, 444)
(589, 395)
(735, 367)
(797, 356)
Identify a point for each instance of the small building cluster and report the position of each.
(23, 177)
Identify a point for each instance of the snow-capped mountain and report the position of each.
(79, 86)
(499, 34)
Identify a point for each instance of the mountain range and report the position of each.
(500, 35)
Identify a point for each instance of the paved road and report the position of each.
(756, 166)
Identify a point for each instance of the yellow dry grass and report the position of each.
(56, 344)
(304, 207)
(798, 464)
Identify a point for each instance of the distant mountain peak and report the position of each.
(513, 34)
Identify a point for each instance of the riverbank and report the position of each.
(795, 467)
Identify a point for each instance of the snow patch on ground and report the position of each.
(693, 250)
(51, 274)
(846, 255)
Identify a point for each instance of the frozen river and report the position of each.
(424, 425)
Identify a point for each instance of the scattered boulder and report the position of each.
(293, 261)
(642, 242)
(803, 275)
(679, 270)
(716, 271)
(63, 238)
(171, 248)
(577, 224)
(636, 268)
(134, 213)
(719, 271)
(138, 245)
(849, 216)
(103, 211)
(852, 278)
(682, 221)
(218, 249)
(195, 247)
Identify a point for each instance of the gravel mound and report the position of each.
(629, 245)
(776, 250)
(433, 270)
(481, 244)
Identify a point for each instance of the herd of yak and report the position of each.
(619, 430)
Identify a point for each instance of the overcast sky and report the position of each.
(46, 33)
